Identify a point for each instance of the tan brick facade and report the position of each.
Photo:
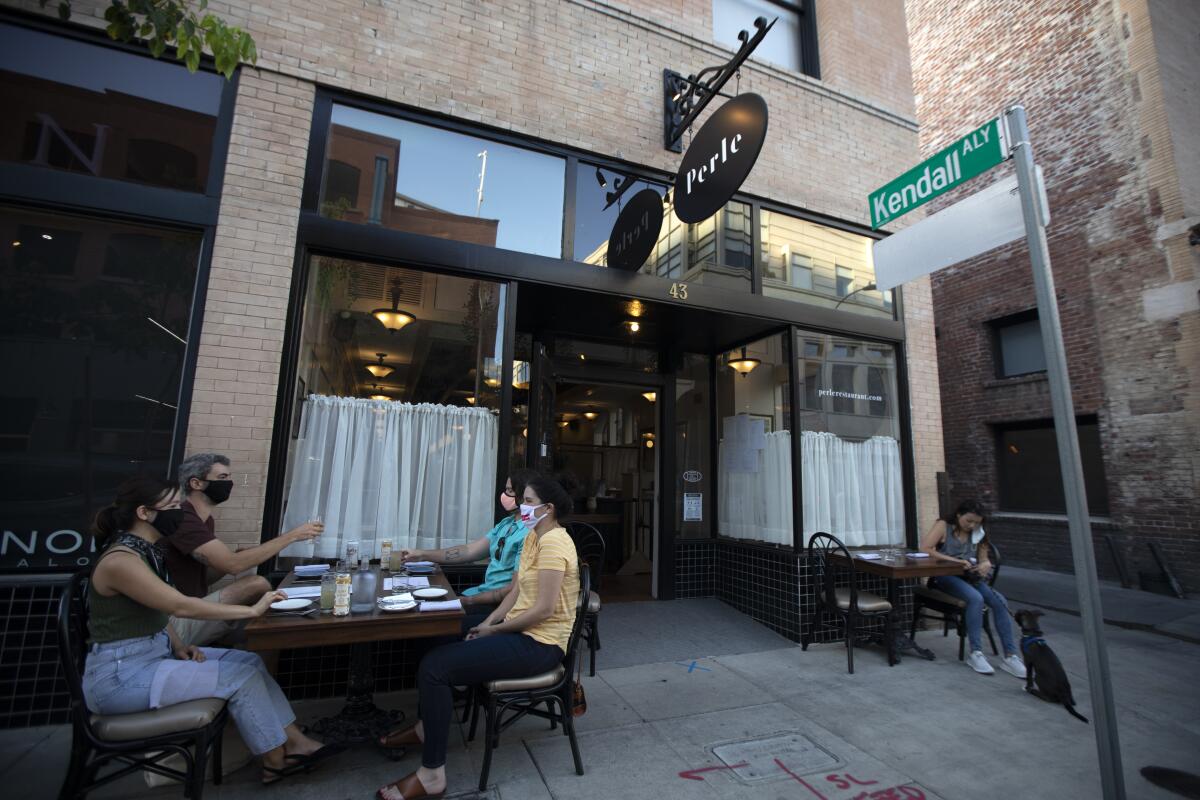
(584, 73)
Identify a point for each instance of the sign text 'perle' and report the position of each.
(720, 157)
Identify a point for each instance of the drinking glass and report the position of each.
(352, 554)
(328, 584)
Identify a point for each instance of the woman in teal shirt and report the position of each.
(502, 544)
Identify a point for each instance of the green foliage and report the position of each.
(165, 23)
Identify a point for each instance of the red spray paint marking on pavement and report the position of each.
(800, 780)
(694, 774)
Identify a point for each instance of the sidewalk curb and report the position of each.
(1119, 623)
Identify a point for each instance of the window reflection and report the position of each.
(812, 263)
(92, 314)
(717, 251)
(97, 111)
(417, 178)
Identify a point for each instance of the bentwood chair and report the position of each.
(846, 603)
(506, 701)
(589, 544)
(140, 741)
(949, 609)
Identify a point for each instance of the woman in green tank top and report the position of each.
(137, 662)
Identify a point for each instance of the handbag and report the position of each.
(578, 698)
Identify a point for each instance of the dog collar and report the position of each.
(1033, 639)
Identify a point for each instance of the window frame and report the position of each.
(806, 23)
(996, 328)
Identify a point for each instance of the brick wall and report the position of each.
(237, 369)
(1087, 76)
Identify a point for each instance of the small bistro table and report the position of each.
(360, 720)
(897, 570)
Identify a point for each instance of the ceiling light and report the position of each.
(471, 400)
(524, 433)
(649, 443)
(632, 325)
(600, 179)
(16, 244)
(650, 396)
(648, 434)
(47, 236)
(380, 397)
(582, 357)
(562, 423)
(393, 318)
(635, 308)
(380, 370)
(591, 415)
(743, 366)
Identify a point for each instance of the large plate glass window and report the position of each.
(850, 440)
(716, 252)
(96, 111)
(817, 264)
(754, 468)
(411, 177)
(693, 448)
(94, 315)
(395, 428)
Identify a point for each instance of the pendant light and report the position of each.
(380, 370)
(393, 318)
(650, 396)
(743, 366)
(378, 394)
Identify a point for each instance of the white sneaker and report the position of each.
(1013, 665)
(979, 663)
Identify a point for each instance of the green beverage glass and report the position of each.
(328, 583)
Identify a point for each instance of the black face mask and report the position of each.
(167, 521)
(219, 491)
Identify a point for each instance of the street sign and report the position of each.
(984, 220)
(972, 155)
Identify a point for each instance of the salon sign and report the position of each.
(720, 157)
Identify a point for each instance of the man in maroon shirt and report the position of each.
(196, 557)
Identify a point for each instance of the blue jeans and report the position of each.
(975, 596)
(119, 676)
(501, 655)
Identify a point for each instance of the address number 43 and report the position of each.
(679, 291)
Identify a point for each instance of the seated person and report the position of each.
(960, 539)
(526, 635)
(196, 558)
(138, 662)
(502, 544)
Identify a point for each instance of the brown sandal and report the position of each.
(400, 739)
(410, 787)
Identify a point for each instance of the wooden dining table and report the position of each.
(360, 719)
(896, 569)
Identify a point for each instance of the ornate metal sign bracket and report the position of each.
(685, 98)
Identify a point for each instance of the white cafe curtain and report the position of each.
(853, 490)
(420, 475)
(757, 504)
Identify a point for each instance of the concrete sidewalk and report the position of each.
(1126, 608)
(694, 700)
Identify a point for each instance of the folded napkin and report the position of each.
(442, 605)
(294, 592)
(869, 556)
(918, 555)
(418, 563)
(410, 582)
(311, 569)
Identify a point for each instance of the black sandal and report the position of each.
(310, 760)
(280, 774)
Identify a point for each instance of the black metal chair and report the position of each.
(139, 741)
(847, 603)
(506, 701)
(950, 609)
(590, 546)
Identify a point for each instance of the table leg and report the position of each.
(901, 641)
(360, 720)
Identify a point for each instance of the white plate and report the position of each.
(394, 606)
(431, 593)
(290, 605)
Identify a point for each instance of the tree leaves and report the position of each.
(162, 23)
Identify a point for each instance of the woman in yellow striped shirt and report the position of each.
(526, 635)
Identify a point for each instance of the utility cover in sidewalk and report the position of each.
(800, 754)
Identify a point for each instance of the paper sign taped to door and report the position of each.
(693, 507)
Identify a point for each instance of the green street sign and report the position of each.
(972, 155)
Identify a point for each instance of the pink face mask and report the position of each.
(508, 503)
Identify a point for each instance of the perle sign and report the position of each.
(720, 157)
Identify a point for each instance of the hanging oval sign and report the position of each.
(692, 476)
(635, 231)
(720, 157)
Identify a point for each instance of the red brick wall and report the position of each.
(1077, 68)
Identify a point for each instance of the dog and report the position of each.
(1042, 666)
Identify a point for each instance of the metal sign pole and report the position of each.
(1103, 712)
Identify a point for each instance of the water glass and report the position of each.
(328, 584)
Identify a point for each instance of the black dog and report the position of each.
(1042, 666)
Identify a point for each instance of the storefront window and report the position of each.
(754, 476)
(850, 440)
(812, 263)
(718, 251)
(97, 111)
(410, 177)
(693, 450)
(395, 428)
(94, 316)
